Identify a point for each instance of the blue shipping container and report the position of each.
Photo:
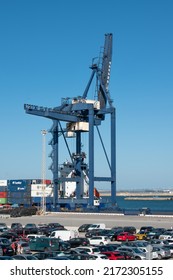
(15, 200)
(19, 194)
(3, 189)
(38, 199)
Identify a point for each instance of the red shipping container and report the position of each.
(3, 194)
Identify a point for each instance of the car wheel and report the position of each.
(137, 258)
(101, 243)
(159, 257)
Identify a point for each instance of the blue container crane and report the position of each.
(83, 115)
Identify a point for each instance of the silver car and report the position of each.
(163, 252)
(137, 253)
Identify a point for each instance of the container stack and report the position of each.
(19, 192)
(3, 192)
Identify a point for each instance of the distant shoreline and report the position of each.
(155, 195)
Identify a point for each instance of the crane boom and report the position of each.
(103, 93)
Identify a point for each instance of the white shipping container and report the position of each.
(3, 183)
(39, 187)
(39, 193)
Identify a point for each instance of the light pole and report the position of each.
(43, 199)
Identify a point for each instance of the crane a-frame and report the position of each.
(83, 115)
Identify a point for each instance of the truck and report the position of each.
(64, 235)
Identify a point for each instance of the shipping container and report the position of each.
(3, 188)
(3, 194)
(15, 188)
(38, 200)
(19, 194)
(3, 200)
(26, 201)
(3, 183)
(40, 181)
(40, 193)
(39, 187)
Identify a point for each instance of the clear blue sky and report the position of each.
(46, 48)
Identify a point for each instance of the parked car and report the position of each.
(163, 252)
(93, 232)
(79, 241)
(159, 242)
(45, 255)
(99, 240)
(5, 244)
(136, 252)
(155, 233)
(4, 258)
(126, 236)
(166, 235)
(3, 227)
(146, 228)
(130, 229)
(108, 247)
(141, 235)
(89, 249)
(48, 244)
(116, 255)
(30, 229)
(84, 227)
(16, 225)
(97, 226)
(11, 236)
(23, 247)
(24, 257)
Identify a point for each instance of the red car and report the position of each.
(126, 236)
(115, 255)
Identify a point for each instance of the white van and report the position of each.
(64, 234)
(97, 226)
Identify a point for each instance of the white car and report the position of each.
(89, 249)
(99, 240)
(100, 257)
(166, 235)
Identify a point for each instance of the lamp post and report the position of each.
(43, 198)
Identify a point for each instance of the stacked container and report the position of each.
(19, 192)
(3, 191)
(40, 190)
